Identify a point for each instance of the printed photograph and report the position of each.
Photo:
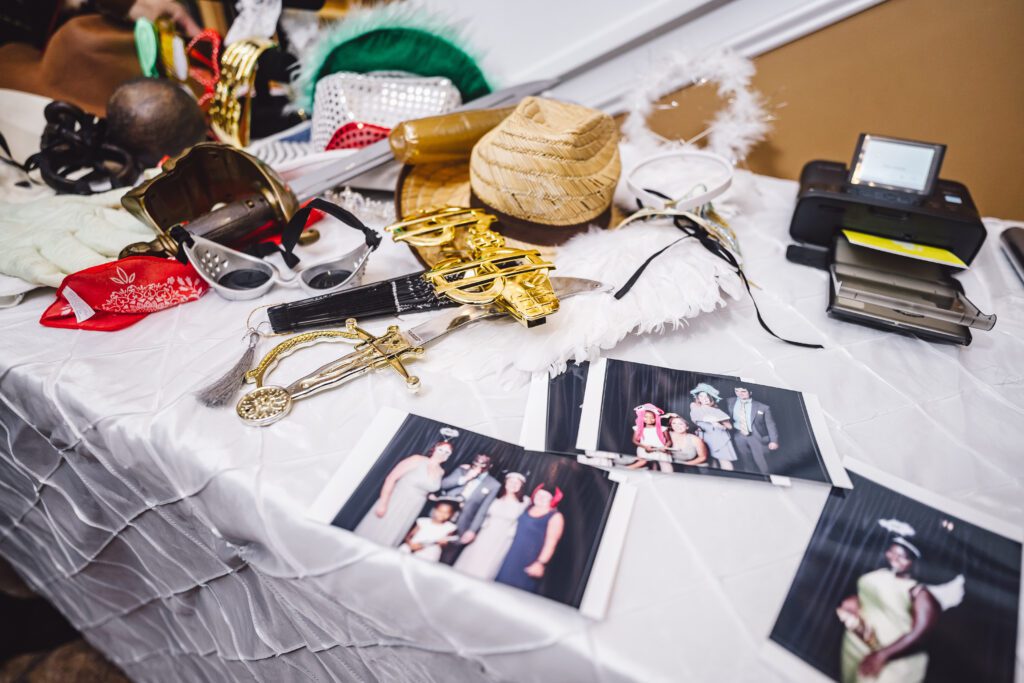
(485, 507)
(563, 402)
(895, 589)
(671, 420)
(553, 415)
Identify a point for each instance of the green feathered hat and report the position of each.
(390, 38)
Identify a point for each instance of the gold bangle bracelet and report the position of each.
(230, 109)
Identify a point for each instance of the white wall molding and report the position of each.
(798, 23)
(750, 27)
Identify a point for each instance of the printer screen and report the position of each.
(896, 164)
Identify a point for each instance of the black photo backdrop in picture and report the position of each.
(565, 400)
(791, 450)
(587, 495)
(851, 560)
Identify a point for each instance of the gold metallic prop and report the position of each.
(172, 50)
(269, 403)
(514, 280)
(440, 234)
(230, 109)
(475, 266)
(216, 191)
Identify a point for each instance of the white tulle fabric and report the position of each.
(174, 537)
(255, 19)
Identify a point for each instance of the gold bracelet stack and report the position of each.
(230, 109)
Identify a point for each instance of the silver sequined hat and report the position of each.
(380, 98)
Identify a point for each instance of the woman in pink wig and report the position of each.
(650, 439)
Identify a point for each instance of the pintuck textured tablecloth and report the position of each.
(174, 537)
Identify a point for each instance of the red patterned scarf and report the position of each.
(112, 296)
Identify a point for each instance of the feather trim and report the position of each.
(731, 133)
(404, 37)
(682, 284)
(949, 594)
(897, 527)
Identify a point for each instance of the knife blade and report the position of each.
(453, 319)
(269, 403)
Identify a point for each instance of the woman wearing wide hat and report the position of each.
(714, 424)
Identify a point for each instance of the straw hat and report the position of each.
(548, 172)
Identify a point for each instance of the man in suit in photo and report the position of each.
(476, 488)
(754, 433)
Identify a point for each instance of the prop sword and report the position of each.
(267, 403)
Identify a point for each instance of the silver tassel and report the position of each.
(222, 391)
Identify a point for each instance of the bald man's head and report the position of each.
(153, 118)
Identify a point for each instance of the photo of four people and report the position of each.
(485, 507)
(679, 420)
(744, 432)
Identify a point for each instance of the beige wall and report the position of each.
(949, 71)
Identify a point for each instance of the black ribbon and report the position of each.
(8, 158)
(7, 150)
(712, 244)
(291, 232)
(74, 140)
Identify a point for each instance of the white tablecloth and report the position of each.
(174, 537)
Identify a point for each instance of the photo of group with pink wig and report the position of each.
(705, 434)
(670, 420)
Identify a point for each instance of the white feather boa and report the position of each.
(732, 132)
(682, 283)
(734, 129)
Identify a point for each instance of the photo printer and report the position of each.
(891, 233)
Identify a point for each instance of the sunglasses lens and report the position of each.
(245, 278)
(329, 278)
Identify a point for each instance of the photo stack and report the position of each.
(897, 584)
(635, 416)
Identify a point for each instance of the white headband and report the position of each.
(899, 540)
(681, 204)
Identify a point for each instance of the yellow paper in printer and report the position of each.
(909, 249)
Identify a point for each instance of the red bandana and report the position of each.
(112, 296)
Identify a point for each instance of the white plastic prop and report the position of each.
(730, 134)
(696, 179)
(256, 19)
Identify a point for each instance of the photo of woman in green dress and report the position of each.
(901, 585)
(891, 614)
